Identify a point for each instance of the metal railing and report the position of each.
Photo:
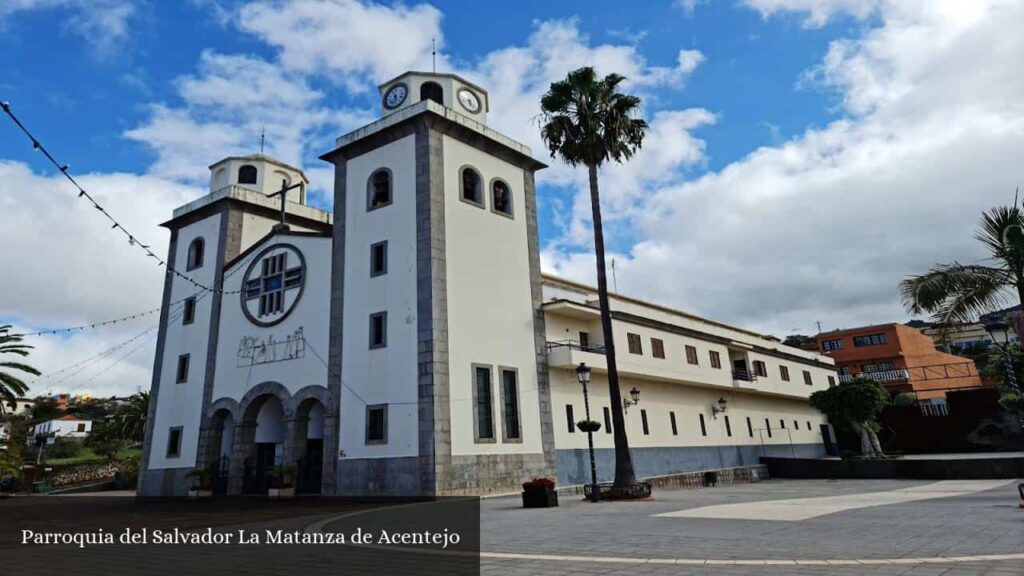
(574, 345)
(743, 375)
(919, 373)
(881, 376)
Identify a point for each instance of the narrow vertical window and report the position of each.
(768, 426)
(377, 424)
(728, 427)
(607, 420)
(182, 373)
(691, 356)
(188, 313)
(807, 378)
(796, 425)
(784, 373)
(703, 426)
(657, 348)
(501, 198)
(831, 381)
(672, 420)
(569, 420)
(510, 403)
(584, 340)
(378, 189)
(472, 187)
(483, 403)
(750, 427)
(378, 330)
(643, 420)
(635, 344)
(782, 423)
(808, 424)
(174, 442)
(379, 259)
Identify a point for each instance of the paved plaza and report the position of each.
(824, 527)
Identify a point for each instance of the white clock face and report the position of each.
(469, 101)
(395, 96)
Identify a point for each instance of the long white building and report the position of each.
(408, 344)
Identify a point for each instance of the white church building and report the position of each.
(408, 343)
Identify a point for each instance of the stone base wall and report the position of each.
(483, 474)
(381, 477)
(164, 482)
(574, 464)
(743, 475)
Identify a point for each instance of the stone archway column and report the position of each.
(291, 433)
(329, 478)
(244, 439)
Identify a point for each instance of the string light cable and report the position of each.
(115, 225)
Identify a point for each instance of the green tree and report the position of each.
(587, 121)
(855, 403)
(960, 292)
(12, 387)
(133, 417)
(42, 409)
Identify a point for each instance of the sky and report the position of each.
(803, 156)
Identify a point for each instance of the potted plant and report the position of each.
(282, 482)
(539, 493)
(202, 483)
(1012, 402)
(588, 426)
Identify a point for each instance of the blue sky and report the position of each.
(803, 156)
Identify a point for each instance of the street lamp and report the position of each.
(583, 375)
(715, 410)
(999, 331)
(635, 395)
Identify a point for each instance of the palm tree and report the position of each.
(133, 418)
(960, 292)
(12, 387)
(587, 121)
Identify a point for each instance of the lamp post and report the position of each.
(634, 394)
(720, 408)
(1000, 333)
(583, 375)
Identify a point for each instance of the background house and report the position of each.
(66, 426)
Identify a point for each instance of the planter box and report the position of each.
(200, 493)
(281, 493)
(540, 498)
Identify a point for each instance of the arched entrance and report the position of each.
(222, 439)
(308, 446)
(261, 442)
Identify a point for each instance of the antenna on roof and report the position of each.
(615, 280)
(433, 53)
(263, 137)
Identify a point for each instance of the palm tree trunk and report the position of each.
(624, 475)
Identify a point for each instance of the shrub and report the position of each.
(64, 448)
(539, 483)
(905, 399)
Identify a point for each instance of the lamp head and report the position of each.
(583, 373)
(635, 395)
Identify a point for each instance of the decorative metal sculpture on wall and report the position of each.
(253, 350)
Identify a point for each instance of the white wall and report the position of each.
(386, 375)
(490, 309)
(181, 404)
(235, 376)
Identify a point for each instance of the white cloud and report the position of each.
(818, 12)
(103, 24)
(824, 226)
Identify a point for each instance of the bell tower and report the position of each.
(437, 339)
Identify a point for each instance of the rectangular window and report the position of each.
(808, 424)
(188, 314)
(750, 427)
(570, 421)
(760, 368)
(879, 367)
(672, 420)
(831, 381)
(378, 330)
(716, 360)
(657, 348)
(635, 345)
(607, 420)
(377, 424)
(782, 423)
(643, 420)
(483, 404)
(784, 373)
(728, 427)
(807, 378)
(584, 340)
(691, 356)
(174, 442)
(703, 427)
(768, 426)
(379, 259)
(182, 374)
(869, 340)
(510, 403)
(81, 427)
(830, 345)
(796, 425)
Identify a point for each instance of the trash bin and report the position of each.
(41, 486)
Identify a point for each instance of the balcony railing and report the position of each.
(574, 345)
(883, 376)
(743, 375)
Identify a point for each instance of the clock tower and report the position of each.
(437, 355)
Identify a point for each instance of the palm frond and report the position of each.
(956, 292)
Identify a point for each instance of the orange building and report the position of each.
(899, 357)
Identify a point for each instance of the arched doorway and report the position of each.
(308, 446)
(222, 440)
(264, 422)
